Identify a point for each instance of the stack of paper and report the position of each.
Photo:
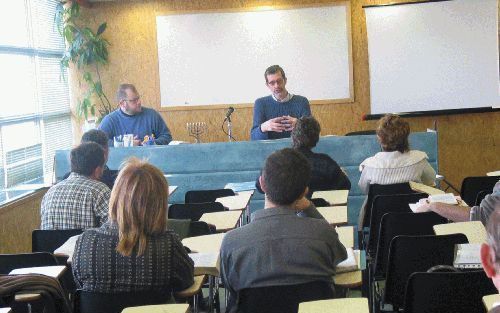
(467, 255)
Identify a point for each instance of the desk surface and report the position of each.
(162, 308)
(206, 263)
(223, 221)
(5, 310)
(237, 202)
(347, 305)
(489, 300)
(207, 243)
(334, 215)
(52, 271)
(346, 235)
(474, 230)
(334, 197)
(495, 173)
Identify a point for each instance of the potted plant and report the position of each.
(88, 51)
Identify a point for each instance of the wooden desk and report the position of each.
(334, 197)
(347, 305)
(206, 263)
(194, 289)
(223, 221)
(346, 235)
(474, 230)
(489, 300)
(350, 279)
(237, 202)
(207, 243)
(67, 248)
(495, 173)
(52, 271)
(334, 215)
(162, 308)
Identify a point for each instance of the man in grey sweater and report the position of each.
(278, 247)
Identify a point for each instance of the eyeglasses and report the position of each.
(279, 81)
(133, 100)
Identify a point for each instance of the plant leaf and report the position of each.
(101, 28)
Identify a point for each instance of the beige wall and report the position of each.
(468, 144)
(17, 220)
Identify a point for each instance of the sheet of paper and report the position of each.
(348, 264)
(52, 271)
(447, 198)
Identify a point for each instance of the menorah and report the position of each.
(196, 130)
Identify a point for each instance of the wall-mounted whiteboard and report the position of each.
(220, 58)
(433, 56)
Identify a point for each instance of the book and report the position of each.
(52, 271)
(467, 255)
(349, 264)
(447, 198)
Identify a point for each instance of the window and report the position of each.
(35, 116)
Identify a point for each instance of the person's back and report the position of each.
(79, 201)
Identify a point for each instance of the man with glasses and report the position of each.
(275, 116)
(132, 118)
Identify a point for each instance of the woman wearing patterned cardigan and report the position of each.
(133, 251)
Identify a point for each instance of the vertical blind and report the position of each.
(35, 118)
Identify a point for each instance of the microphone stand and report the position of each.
(229, 128)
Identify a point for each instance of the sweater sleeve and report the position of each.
(183, 269)
(258, 118)
(107, 127)
(161, 131)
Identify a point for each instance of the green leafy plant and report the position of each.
(88, 51)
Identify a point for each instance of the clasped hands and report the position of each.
(279, 124)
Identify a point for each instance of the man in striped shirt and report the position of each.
(81, 200)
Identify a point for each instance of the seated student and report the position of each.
(81, 200)
(456, 213)
(133, 251)
(490, 254)
(278, 247)
(98, 136)
(396, 163)
(326, 174)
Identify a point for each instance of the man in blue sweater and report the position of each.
(132, 118)
(275, 116)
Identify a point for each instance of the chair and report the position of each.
(383, 204)
(320, 202)
(283, 299)
(49, 240)
(471, 186)
(193, 211)
(447, 292)
(199, 228)
(362, 132)
(409, 254)
(481, 195)
(8, 262)
(200, 196)
(97, 302)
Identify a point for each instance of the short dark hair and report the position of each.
(97, 136)
(286, 175)
(121, 92)
(493, 230)
(305, 133)
(86, 157)
(393, 133)
(273, 69)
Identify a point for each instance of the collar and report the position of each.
(286, 99)
(77, 175)
(394, 159)
(270, 212)
(128, 115)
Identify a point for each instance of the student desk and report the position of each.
(347, 305)
(5, 310)
(162, 308)
(489, 300)
(55, 271)
(474, 230)
(334, 197)
(334, 215)
(346, 235)
(239, 201)
(223, 221)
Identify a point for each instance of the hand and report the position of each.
(290, 122)
(424, 206)
(275, 125)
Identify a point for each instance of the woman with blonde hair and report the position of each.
(396, 163)
(133, 251)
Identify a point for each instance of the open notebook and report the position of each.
(467, 255)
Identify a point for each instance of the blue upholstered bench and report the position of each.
(212, 165)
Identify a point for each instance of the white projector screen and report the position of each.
(433, 56)
(220, 58)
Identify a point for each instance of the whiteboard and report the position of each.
(433, 56)
(220, 58)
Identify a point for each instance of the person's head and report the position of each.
(490, 252)
(138, 205)
(129, 99)
(305, 134)
(392, 133)
(276, 81)
(87, 159)
(99, 137)
(285, 176)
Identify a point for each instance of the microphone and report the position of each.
(228, 113)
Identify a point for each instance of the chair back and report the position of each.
(49, 240)
(471, 186)
(285, 299)
(200, 196)
(320, 202)
(9, 262)
(457, 292)
(383, 204)
(395, 224)
(481, 195)
(409, 254)
(97, 302)
(199, 228)
(376, 189)
(362, 132)
(193, 211)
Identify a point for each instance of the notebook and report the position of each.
(467, 255)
